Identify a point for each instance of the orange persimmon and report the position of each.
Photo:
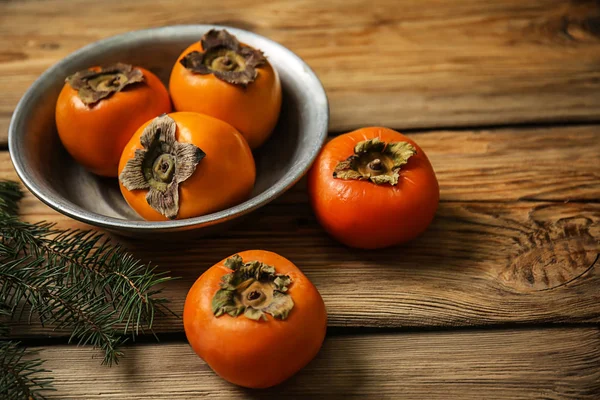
(100, 108)
(184, 165)
(373, 188)
(221, 77)
(255, 319)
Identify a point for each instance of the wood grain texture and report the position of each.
(433, 63)
(516, 240)
(548, 164)
(505, 364)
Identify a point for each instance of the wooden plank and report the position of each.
(393, 63)
(505, 364)
(478, 264)
(550, 164)
(488, 258)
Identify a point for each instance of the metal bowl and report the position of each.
(56, 179)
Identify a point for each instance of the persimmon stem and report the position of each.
(253, 295)
(253, 289)
(375, 165)
(226, 58)
(227, 61)
(164, 168)
(376, 161)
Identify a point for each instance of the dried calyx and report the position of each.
(253, 289)
(376, 161)
(161, 166)
(225, 57)
(93, 86)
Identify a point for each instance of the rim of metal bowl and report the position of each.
(80, 214)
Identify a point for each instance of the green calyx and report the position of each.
(253, 289)
(375, 161)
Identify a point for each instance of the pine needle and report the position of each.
(69, 279)
(23, 376)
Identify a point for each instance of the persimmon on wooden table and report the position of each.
(499, 299)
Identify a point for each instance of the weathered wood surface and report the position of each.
(516, 164)
(515, 240)
(402, 64)
(467, 365)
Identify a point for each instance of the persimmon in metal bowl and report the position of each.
(55, 178)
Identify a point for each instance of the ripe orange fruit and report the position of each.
(98, 110)
(221, 77)
(184, 165)
(373, 188)
(255, 319)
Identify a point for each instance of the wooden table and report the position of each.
(500, 299)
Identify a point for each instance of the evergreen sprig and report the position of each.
(68, 279)
(22, 374)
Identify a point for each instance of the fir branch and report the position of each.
(91, 321)
(5, 315)
(22, 375)
(72, 279)
(90, 259)
(10, 195)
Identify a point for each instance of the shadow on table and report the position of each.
(336, 373)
